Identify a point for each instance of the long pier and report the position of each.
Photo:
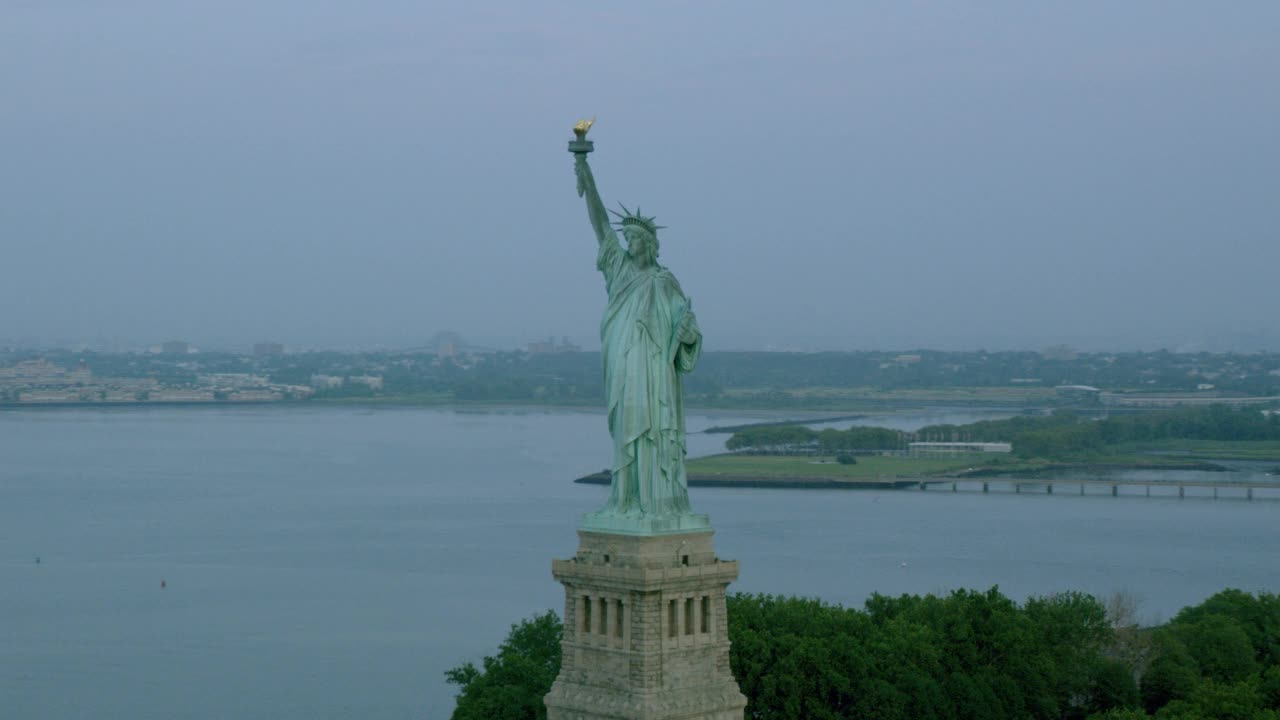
(1247, 490)
(1202, 489)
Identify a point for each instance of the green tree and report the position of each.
(1220, 647)
(796, 657)
(1181, 710)
(771, 437)
(1258, 615)
(511, 685)
(965, 655)
(1112, 687)
(1173, 673)
(1120, 714)
(1270, 687)
(1219, 701)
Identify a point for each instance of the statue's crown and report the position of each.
(626, 219)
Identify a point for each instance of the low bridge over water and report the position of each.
(1209, 489)
(1246, 490)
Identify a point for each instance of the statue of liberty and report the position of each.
(649, 337)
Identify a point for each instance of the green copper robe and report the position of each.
(643, 360)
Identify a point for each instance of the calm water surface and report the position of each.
(333, 563)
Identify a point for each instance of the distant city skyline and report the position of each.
(1260, 340)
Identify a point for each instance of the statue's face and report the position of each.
(642, 248)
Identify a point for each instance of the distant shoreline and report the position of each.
(761, 481)
(888, 482)
(788, 415)
(135, 404)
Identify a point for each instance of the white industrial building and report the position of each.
(958, 448)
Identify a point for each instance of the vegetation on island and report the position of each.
(1065, 435)
(779, 438)
(968, 655)
(866, 467)
(1152, 438)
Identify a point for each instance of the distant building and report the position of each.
(373, 382)
(262, 395)
(180, 395)
(958, 448)
(43, 372)
(49, 396)
(263, 349)
(326, 382)
(175, 347)
(232, 380)
(1078, 392)
(550, 346)
(38, 382)
(910, 359)
(446, 343)
(81, 373)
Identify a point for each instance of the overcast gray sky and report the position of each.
(833, 175)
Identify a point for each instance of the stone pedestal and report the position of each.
(646, 636)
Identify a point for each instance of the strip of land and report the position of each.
(890, 471)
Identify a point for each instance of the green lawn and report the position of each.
(866, 467)
(1138, 455)
(950, 394)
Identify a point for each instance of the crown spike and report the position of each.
(628, 218)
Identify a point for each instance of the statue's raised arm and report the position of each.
(595, 207)
(587, 183)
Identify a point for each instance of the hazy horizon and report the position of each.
(482, 343)
(833, 176)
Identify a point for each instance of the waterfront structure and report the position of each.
(44, 373)
(1144, 400)
(39, 382)
(1078, 392)
(255, 395)
(957, 448)
(645, 630)
(179, 395)
(226, 381)
(48, 397)
(373, 382)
